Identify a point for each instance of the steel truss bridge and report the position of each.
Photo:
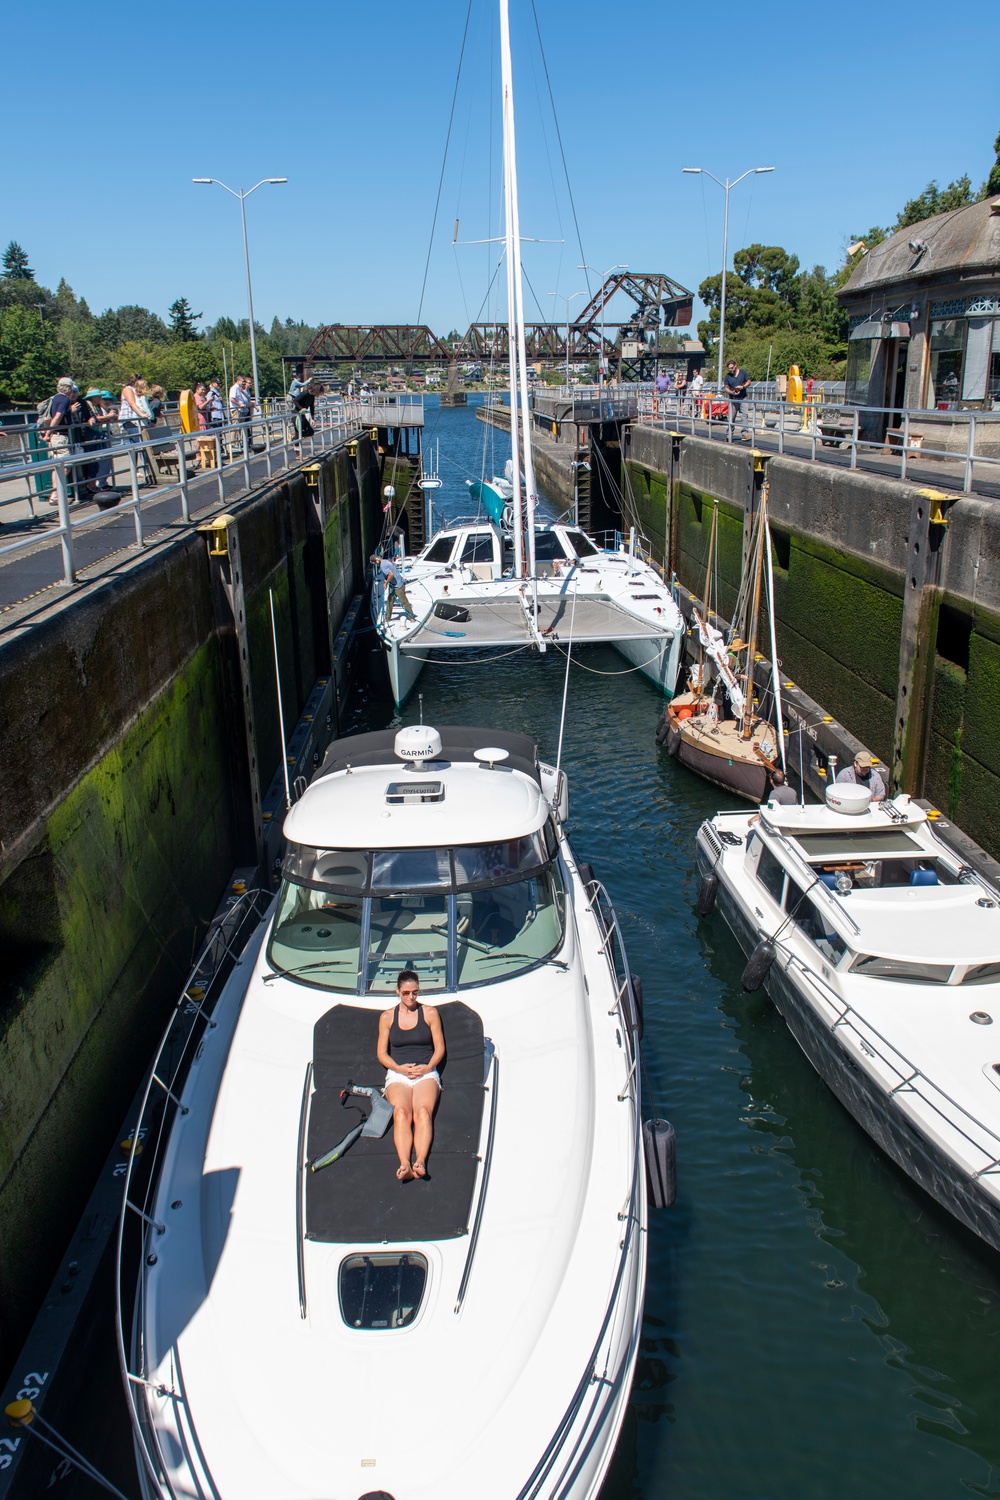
(659, 302)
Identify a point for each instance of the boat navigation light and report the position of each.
(417, 743)
(489, 756)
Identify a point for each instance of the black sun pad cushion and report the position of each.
(357, 1199)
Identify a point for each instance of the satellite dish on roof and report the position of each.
(490, 756)
(416, 744)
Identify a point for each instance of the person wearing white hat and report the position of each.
(863, 773)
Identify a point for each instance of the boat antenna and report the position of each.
(281, 712)
(562, 716)
(420, 697)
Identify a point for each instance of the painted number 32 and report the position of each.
(32, 1388)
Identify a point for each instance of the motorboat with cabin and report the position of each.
(503, 580)
(315, 1333)
(881, 949)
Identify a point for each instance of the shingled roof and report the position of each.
(965, 242)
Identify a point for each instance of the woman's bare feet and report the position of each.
(419, 1169)
(404, 1173)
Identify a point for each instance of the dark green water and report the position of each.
(815, 1328)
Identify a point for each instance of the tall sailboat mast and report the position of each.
(515, 318)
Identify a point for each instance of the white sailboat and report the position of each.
(298, 1334)
(502, 579)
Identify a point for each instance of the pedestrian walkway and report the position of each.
(47, 544)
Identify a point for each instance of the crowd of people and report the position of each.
(89, 423)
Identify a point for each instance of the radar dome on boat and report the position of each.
(417, 743)
(848, 797)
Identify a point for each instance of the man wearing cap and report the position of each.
(862, 773)
(395, 588)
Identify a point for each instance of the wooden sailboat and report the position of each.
(716, 728)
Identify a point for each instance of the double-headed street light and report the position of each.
(243, 196)
(726, 186)
(621, 266)
(562, 297)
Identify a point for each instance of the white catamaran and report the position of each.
(297, 1334)
(504, 580)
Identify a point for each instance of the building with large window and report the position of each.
(924, 310)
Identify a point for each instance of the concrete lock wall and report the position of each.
(124, 806)
(843, 551)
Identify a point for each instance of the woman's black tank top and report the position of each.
(416, 1046)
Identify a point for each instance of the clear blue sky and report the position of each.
(856, 110)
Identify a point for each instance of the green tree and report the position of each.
(15, 263)
(30, 358)
(15, 291)
(934, 200)
(182, 321)
(991, 187)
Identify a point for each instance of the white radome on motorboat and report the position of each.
(306, 1335)
(881, 949)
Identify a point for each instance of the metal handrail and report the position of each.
(847, 1014)
(191, 1017)
(334, 423)
(806, 420)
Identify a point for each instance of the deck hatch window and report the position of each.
(409, 793)
(904, 970)
(870, 844)
(381, 1290)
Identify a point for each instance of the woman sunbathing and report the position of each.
(410, 1047)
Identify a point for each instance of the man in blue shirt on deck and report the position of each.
(394, 586)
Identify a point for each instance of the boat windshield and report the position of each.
(351, 919)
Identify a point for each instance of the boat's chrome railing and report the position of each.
(161, 1102)
(602, 1383)
(909, 1078)
(492, 1082)
(613, 948)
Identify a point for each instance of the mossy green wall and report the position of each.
(126, 871)
(839, 620)
(120, 824)
(963, 763)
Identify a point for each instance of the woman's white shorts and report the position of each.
(393, 1077)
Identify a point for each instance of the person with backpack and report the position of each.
(57, 428)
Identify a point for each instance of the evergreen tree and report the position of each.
(15, 263)
(991, 187)
(30, 359)
(182, 321)
(934, 200)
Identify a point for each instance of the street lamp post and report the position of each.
(243, 196)
(563, 298)
(621, 266)
(726, 187)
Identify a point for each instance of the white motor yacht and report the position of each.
(298, 1334)
(881, 949)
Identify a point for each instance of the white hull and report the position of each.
(525, 1341)
(907, 1059)
(584, 597)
